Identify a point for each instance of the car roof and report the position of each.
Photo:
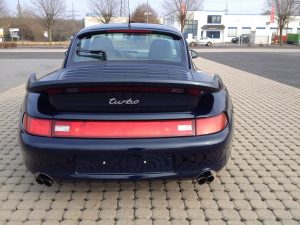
(133, 26)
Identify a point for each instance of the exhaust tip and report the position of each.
(39, 181)
(201, 180)
(210, 179)
(44, 179)
(48, 183)
(205, 177)
(207, 174)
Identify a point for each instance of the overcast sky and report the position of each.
(234, 6)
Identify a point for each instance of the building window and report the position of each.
(232, 31)
(169, 21)
(298, 30)
(287, 31)
(213, 34)
(260, 28)
(191, 27)
(246, 30)
(214, 19)
(274, 30)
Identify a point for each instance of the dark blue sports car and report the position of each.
(128, 103)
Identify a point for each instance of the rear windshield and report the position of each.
(129, 46)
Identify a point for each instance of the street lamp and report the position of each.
(147, 11)
(147, 14)
(19, 21)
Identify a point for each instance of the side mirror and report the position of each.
(194, 54)
(66, 53)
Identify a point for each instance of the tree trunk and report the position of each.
(280, 35)
(182, 24)
(50, 36)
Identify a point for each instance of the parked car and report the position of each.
(202, 41)
(119, 109)
(244, 37)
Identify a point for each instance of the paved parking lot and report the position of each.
(260, 184)
(16, 67)
(282, 66)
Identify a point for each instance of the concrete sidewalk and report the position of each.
(260, 184)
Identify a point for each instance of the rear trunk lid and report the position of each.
(124, 89)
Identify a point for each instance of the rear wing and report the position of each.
(37, 86)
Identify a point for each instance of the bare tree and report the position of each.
(183, 10)
(3, 8)
(105, 9)
(140, 14)
(49, 11)
(25, 20)
(285, 10)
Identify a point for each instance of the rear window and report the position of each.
(129, 47)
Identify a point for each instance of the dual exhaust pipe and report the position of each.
(205, 177)
(44, 179)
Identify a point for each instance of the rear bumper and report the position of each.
(66, 158)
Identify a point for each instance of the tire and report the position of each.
(192, 44)
(209, 44)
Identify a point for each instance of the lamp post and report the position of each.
(147, 14)
(147, 11)
(19, 21)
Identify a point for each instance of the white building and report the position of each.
(223, 27)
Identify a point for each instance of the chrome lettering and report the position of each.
(114, 101)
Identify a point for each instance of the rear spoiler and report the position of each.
(36, 86)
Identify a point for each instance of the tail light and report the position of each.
(124, 129)
(38, 127)
(211, 125)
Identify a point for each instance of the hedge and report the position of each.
(8, 45)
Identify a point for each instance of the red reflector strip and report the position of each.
(38, 127)
(124, 129)
(188, 91)
(211, 125)
(194, 91)
(120, 129)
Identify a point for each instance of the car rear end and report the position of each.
(120, 121)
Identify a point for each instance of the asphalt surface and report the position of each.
(32, 55)
(16, 68)
(283, 67)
